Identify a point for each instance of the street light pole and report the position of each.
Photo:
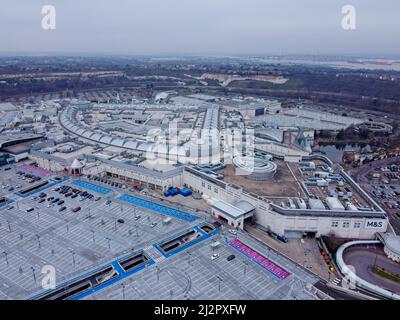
(33, 273)
(109, 244)
(376, 258)
(123, 290)
(219, 283)
(6, 255)
(38, 238)
(158, 273)
(73, 257)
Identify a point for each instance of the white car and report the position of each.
(215, 256)
(231, 231)
(49, 205)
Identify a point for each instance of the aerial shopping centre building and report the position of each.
(235, 205)
(286, 191)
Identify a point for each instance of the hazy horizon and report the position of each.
(194, 28)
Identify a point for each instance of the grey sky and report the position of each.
(201, 27)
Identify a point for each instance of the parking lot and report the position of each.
(381, 180)
(192, 274)
(34, 233)
(77, 225)
(15, 178)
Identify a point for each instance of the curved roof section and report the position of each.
(79, 130)
(254, 164)
(87, 134)
(96, 136)
(69, 122)
(130, 144)
(119, 142)
(106, 139)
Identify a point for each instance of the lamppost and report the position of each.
(6, 256)
(123, 290)
(38, 239)
(158, 273)
(219, 283)
(376, 258)
(33, 273)
(109, 243)
(245, 267)
(73, 257)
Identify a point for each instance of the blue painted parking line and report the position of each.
(52, 184)
(204, 236)
(92, 187)
(159, 208)
(121, 275)
(197, 228)
(9, 201)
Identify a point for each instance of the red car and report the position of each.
(76, 209)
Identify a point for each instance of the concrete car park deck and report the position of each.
(193, 275)
(76, 243)
(72, 242)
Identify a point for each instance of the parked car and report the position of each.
(231, 257)
(215, 256)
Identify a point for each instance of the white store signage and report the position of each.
(374, 223)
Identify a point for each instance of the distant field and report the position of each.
(290, 84)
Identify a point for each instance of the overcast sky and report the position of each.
(201, 27)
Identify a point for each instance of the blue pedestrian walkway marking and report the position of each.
(159, 208)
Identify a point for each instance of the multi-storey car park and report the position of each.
(122, 243)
